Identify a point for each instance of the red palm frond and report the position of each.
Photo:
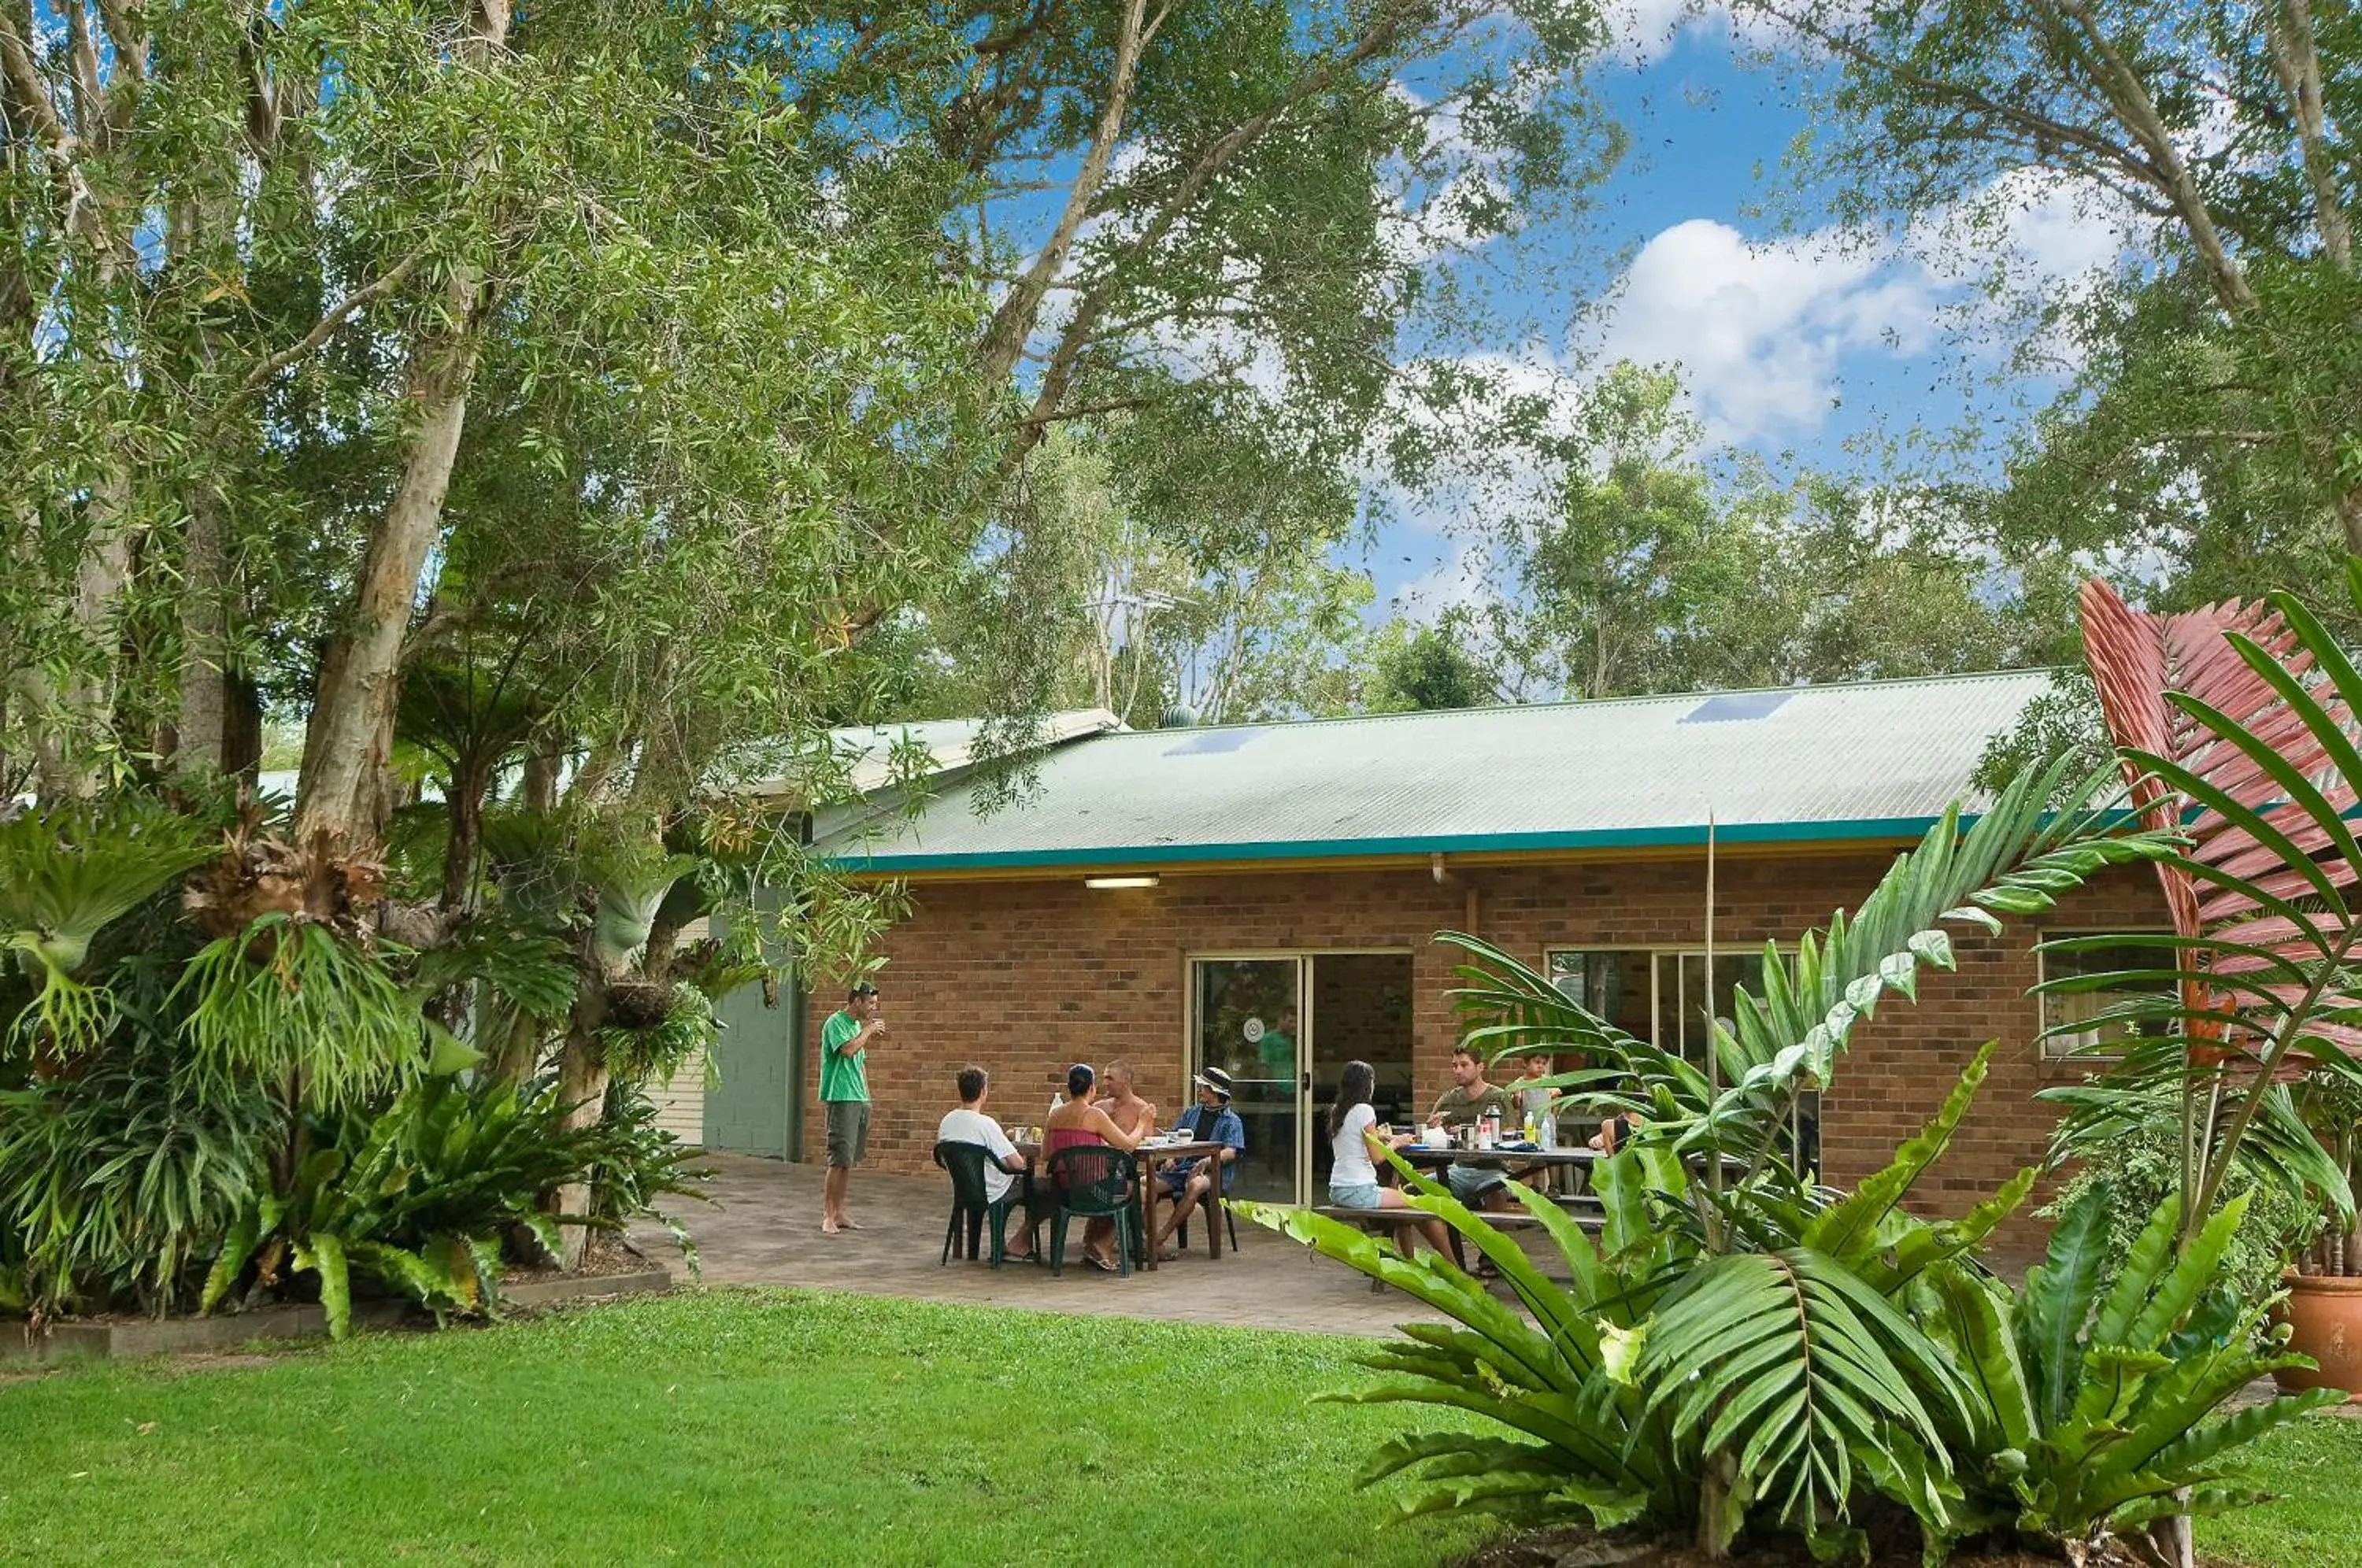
(2138, 660)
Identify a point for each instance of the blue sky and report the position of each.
(1791, 340)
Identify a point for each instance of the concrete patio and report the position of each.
(763, 1228)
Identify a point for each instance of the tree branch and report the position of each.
(2137, 112)
(2289, 30)
(1013, 321)
(326, 326)
(32, 93)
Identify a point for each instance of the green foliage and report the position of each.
(115, 1181)
(67, 874)
(2139, 1167)
(285, 1001)
(2103, 1389)
(636, 1164)
(416, 1196)
(1424, 670)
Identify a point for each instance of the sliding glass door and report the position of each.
(1250, 1024)
(1283, 1025)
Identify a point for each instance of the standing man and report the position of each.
(845, 1043)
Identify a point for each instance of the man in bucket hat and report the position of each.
(1186, 1182)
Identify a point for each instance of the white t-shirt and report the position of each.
(1351, 1166)
(965, 1126)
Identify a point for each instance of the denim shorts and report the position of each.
(1354, 1195)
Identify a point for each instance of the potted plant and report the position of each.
(2324, 1310)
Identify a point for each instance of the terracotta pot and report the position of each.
(2325, 1314)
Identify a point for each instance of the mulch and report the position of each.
(1580, 1548)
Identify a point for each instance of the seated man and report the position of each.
(1471, 1099)
(969, 1124)
(1185, 1182)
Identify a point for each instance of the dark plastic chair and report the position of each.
(1094, 1182)
(1230, 1222)
(965, 1162)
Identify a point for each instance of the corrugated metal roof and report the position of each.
(1873, 760)
(867, 751)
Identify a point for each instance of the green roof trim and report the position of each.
(1669, 837)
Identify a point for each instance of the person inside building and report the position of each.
(1079, 1123)
(1185, 1184)
(1355, 1148)
(1120, 1100)
(1469, 1100)
(1004, 1167)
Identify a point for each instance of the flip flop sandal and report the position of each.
(1099, 1263)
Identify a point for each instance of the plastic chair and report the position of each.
(1094, 1182)
(1230, 1222)
(966, 1162)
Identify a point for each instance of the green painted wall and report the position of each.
(752, 1108)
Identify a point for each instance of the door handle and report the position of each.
(1305, 1082)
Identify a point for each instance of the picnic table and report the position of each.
(1145, 1159)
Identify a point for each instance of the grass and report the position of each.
(2316, 1466)
(755, 1426)
(720, 1426)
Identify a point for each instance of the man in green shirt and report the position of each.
(1468, 1099)
(844, 1042)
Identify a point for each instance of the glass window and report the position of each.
(2068, 1007)
(1609, 985)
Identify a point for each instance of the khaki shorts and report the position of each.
(848, 1132)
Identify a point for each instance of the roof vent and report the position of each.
(1735, 708)
(1205, 742)
(1179, 716)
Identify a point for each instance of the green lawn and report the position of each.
(778, 1426)
(729, 1427)
(2316, 1466)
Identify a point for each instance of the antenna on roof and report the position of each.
(1713, 1057)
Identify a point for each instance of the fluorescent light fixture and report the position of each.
(1144, 879)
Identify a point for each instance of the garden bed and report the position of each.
(1578, 1548)
(130, 1338)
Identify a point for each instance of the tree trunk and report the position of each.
(336, 800)
(582, 1089)
(352, 714)
(465, 807)
(201, 730)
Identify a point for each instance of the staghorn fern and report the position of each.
(314, 1012)
(65, 876)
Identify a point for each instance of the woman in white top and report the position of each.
(1353, 1142)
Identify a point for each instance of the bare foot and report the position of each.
(828, 1226)
(844, 1224)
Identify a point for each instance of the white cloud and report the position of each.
(1758, 330)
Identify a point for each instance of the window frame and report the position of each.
(2078, 1047)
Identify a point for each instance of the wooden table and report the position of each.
(1148, 1156)
(1145, 1159)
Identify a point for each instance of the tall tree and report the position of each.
(1643, 571)
(2207, 431)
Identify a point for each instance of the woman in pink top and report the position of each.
(1078, 1124)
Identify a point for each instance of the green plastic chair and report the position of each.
(966, 1162)
(1095, 1182)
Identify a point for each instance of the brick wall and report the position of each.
(1026, 977)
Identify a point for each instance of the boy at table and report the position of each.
(1185, 1183)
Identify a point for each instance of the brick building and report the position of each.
(1264, 897)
